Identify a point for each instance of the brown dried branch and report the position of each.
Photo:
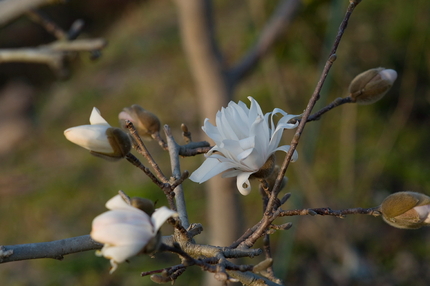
(176, 175)
(141, 149)
(329, 212)
(166, 187)
(45, 22)
(317, 115)
(214, 260)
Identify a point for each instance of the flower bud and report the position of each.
(371, 85)
(145, 122)
(143, 204)
(100, 138)
(406, 210)
(127, 231)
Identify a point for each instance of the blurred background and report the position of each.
(353, 157)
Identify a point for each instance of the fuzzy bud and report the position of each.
(120, 143)
(406, 210)
(267, 169)
(371, 85)
(143, 204)
(145, 122)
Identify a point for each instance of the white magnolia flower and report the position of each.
(126, 230)
(245, 139)
(100, 138)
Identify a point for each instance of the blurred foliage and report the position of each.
(353, 157)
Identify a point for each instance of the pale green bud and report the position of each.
(145, 122)
(406, 210)
(371, 85)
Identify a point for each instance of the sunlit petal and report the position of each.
(160, 216)
(96, 118)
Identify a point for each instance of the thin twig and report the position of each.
(136, 162)
(186, 134)
(179, 181)
(49, 25)
(311, 104)
(176, 173)
(141, 149)
(329, 212)
(335, 103)
(167, 189)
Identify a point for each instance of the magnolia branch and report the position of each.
(329, 212)
(176, 174)
(335, 103)
(52, 249)
(141, 149)
(314, 98)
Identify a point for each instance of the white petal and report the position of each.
(226, 129)
(160, 216)
(254, 161)
(212, 131)
(210, 167)
(424, 213)
(275, 139)
(120, 253)
(96, 118)
(388, 74)
(254, 111)
(286, 148)
(125, 116)
(261, 132)
(231, 173)
(243, 184)
(241, 157)
(91, 137)
(123, 233)
(117, 202)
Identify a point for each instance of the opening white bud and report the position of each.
(100, 138)
(406, 210)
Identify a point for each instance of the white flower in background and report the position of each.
(245, 140)
(126, 230)
(100, 138)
